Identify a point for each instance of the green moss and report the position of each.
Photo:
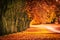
(15, 18)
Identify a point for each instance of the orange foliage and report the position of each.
(40, 12)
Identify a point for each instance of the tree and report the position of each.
(41, 12)
(14, 17)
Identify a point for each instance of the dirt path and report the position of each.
(32, 34)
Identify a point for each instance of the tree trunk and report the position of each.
(14, 17)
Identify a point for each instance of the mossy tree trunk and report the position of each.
(14, 17)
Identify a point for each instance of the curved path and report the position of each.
(33, 33)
